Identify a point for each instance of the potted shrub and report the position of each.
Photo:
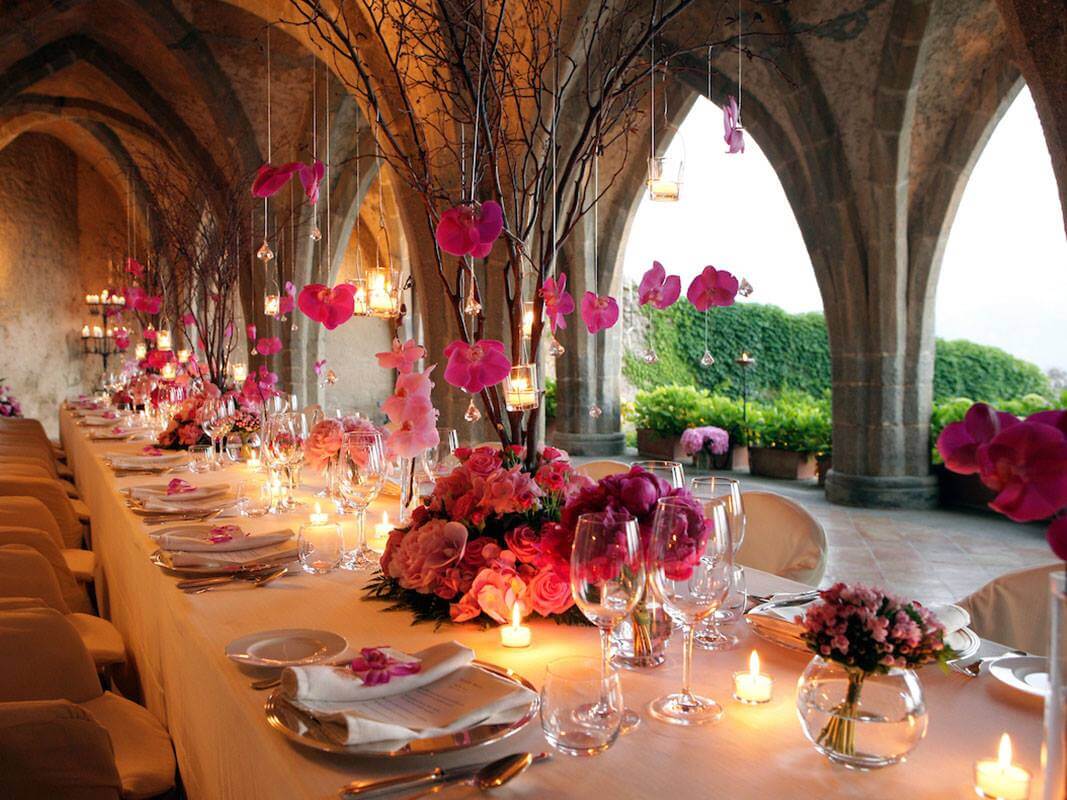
(708, 446)
(789, 436)
(661, 415)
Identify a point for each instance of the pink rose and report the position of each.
(524, 542)
(483, 461)
(466, 609)
(549, 594)
(189, 434)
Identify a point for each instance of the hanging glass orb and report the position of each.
(264, 253)
(745, 289)
(595, 411)
(472, 414)
(707, 359)
(650, 356)
(316, 234)
(555, 349)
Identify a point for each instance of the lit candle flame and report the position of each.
(516, 621)
(318, 508)
(753, 664)
(1004, 752)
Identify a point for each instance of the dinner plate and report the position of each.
(287, 647)
(159, 558)
(965, 642)
(298, 726)
(1025, 673)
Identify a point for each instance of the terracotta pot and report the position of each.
(663, 448)
(773, 463)
(733, 459)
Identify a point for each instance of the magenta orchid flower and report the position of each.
(134, 267)
(558, 301)
(402, 357)
(960, 442)
(250, 329)
(1057, 537)
(310, 178)
(659, 288)
(178, 486)
(228, 330)
(734, 133)
(221, 534)
(331, 307)
(287, 301)
(270, 179)
(599, 313)
(374, 666)
(269, 345)
(151, 450)
(188, 319)
(469, 230)
(474, 367)
(1026, 464)
(319, 365)
(712, 287)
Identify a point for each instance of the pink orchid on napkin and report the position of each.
(475, 366)
(558, 301)
(470, 230)
(402, 357)
(221, 534)
(375, 667)
(149, 450)
(599, 313)
(659, 288)
(110, 415)
(712, 287)
(331, 307)
(178, 486)
(734, 134)
(117, 429)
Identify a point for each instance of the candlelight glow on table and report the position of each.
(381, 534)
(318, 516)
(516, 634)
(999, 779)
(752, 687)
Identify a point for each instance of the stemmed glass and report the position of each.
(607, 578)
(691, 561)
(286, 434)
(215, 418)
(362, 468)
(725, 491)
(440, 460)
(670, 471)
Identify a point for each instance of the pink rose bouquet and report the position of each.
(9, 406)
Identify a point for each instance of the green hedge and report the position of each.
(792, 354)
(954, 409)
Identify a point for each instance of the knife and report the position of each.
(424, 780)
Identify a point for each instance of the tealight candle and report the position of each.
(999, 779)
(662, 190)
(381, 534)
(163, 339)
(168, 371)
(240, 372)
(318, 516)
(752, 687)
(85, 331)
(183, 356)
(140, 350)
(516, 634)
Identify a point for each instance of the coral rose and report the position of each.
(549, 594)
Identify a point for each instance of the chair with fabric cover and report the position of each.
(782, 538)
(25, 573)
(49, 492)
(595, 470)
(75, 594)
(29, 444)
(54, 748)
(1013, 609)
(42, 658)
(34, 469)
(29, 512)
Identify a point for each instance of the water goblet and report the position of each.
(572, 686)
(670, 471)
(201, 458)
(726, 491)
(286, 434)
(362, 469)
(253, 498)
(320, 547)
(690, 560)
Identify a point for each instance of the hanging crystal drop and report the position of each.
(745, 289)
(316, 234)
(707, 359)
(555, 349)
(595, 411)
(472, 414)
(650, 356)
(472, 307)
(293, 326)
(264, 253)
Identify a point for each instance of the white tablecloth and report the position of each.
(225, 748)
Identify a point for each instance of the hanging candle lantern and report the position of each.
(169, 371)
(163, 339)
(520, 388)
(184, 356)
(383, 293)
(527, 319)
(239, 371)
(140, 350)
(272, 305)
(360, 306)
(664, 179)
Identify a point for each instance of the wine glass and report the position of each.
(439, 460)
(362, 468)
(727, 491)
(286, 434)
(211, 416)
(607, 578)
(690, 560)
(670, 471)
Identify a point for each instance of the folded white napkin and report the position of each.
(95, 420)
(135, 461)
(158, 492)
(276, 554)
(188, 541)
(341, 685)
(171, 506)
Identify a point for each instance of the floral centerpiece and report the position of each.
(9, 406)
(487, 538)
(702, 443)
(183, 430)
(866, 632)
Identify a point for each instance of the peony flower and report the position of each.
(402, 357)
(474, 367)
(331, 307)
(658, 288)
(1027, 464)
(712, 287)
(599, 313)
(269, 346)
(310, 177)
(323, 443)
(549, 594)
(715, 440)
(959, 442)
(734, 134)
(469, 230)
(558, 301)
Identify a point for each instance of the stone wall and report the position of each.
(56, 218)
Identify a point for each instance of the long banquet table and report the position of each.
(226, 749)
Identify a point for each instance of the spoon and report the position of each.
(489, 776)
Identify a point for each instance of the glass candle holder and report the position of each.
(163, 339)
(520, 388)
(383, 293)
(140, 350)
(272, 305)
(184, 356)
(320, 546)
(168, 371)
(359, 297)
(527, 318)
(664, 184)
(240, 372)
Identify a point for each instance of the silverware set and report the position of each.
(255, 578)
(489, 775)
(973, 669)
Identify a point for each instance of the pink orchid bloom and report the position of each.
(960, 442)
(734, 134)
(310, 178)
(375, 667)
(469, 230)
(250, 329)
(134, 267)
(178, 486)
(287, 301)
(408, 385)
(188, 319)
(269, 346)
(474, 367)
(319, 365)
(270, 179)
(402, 357)
(331, 307)
(1057, 537)
(599, 313)
(122, 340)
(149, 334)
(1026, 464)
(712, 287)
(558, 301)
(659, 288)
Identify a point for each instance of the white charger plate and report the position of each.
(1027, 674)
(287, 647)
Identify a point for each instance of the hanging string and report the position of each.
(596, 218)
(359, 188)
(739, 32)
(270, 150)
(315, 133)
(709, 73)
(652, 94)
(329, 168)
(555, 158)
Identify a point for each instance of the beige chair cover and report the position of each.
(49, 492)
(20, 445)
(11, 454)
(74, 593)
(55, 749)
(595, 470)
(29, 512)
(42, 658)
(35, 469)
(782, 538)
(1014, 609)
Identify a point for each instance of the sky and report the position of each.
(1003, 279)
